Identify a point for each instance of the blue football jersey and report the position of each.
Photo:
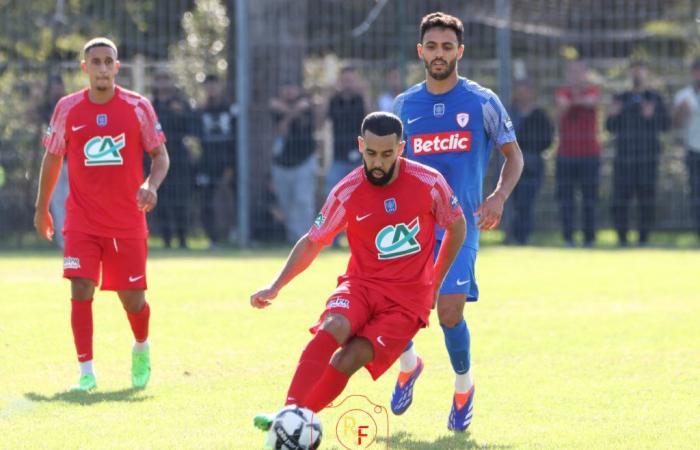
(454, 132)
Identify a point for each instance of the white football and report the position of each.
(295, 428)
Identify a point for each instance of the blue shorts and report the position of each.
(460, 279)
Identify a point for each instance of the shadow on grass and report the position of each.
(404, 440)
(89, 398)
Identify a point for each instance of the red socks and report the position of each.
(139, 322)
(81, 322)
(329, 387)
(312, 363)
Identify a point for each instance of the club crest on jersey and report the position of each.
(104, 151)
(463, 119)
(395, 241)
(438, 110)
(453, 201)
(49, 131)
(102, 120)
(390, 205)
(318, 222)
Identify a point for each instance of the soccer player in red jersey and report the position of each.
(103, 130)
(389, 208)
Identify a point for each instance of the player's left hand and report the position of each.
(490, 212)
(261, 299)
(146, 198)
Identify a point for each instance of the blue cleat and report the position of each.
(402, 397)
(461, 418)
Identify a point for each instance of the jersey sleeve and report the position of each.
(330, 221)
(446, 208)
(151, 132)
(55, 138)
(497, 121)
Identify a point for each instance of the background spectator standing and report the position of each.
(636, 118)
(346, 109)
(578, 159)
(686, 114)
(178, 121)
(55, 89)
(216, 168)
(294, 160)
(534, 131)
(393, 87)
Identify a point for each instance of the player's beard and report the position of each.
(384, 179)
(451, 66)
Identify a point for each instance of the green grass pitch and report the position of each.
(571, 349)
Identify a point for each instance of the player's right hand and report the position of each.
(261, 299)
(43, 222)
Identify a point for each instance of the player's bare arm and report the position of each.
(451, 244)
(147, 196)
(491, 210)
(301, 257)
(50, 170)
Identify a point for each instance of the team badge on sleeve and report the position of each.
(49, 131)
(319, 221)
(453, 201)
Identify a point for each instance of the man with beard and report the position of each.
(451, 123)
(389, 207)
(637, 118)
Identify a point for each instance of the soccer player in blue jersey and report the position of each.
(451, 123)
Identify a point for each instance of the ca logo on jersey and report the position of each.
(395, 241)
(105, 151)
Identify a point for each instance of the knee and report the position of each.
(338, 326)
(82, 288)
(449, 316)
(132, 301)
(353, 356)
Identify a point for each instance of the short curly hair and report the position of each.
(442, 20)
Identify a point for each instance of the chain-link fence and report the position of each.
(216, 68)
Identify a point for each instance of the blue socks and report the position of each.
(457, 343)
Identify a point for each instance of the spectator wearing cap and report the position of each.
(636, 117)
(686, 115)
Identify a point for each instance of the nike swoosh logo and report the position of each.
(462, 283)
(361, 218)
(410, 121)
(134, 279)
(381, 342)
(77, 128)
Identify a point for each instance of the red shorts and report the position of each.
(387, 325)
(123, 261)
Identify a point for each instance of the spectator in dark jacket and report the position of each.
(178, 121)
(534, 130)
(636, 117)
(216, 173)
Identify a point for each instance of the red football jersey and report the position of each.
(391, 231)
(104, 144)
